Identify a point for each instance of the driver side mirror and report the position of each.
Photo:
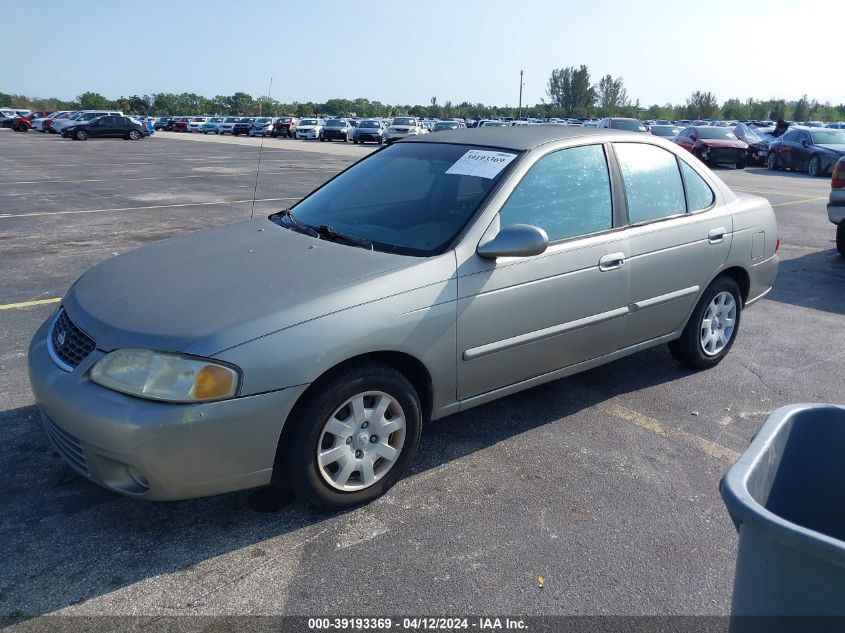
(516, 240)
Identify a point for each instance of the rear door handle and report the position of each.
(611, 261)
(716, 235)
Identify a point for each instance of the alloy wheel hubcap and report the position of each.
(717, 326)
(361, 441)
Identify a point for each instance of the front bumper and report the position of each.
(307, 134)
(722, 155)
(335, 134)
(365, 138)
(155, 450)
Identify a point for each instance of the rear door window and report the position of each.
(699, 194)
(653, 186)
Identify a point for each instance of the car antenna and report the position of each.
(260, 148)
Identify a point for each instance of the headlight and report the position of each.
(160, 376)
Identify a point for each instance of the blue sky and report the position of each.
(408, 52)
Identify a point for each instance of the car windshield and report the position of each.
(716, 133)
(445, 126)
(404, 121)
(494, 124)
(411, 198)
(828, 137)
(664, 130)
(368, 124)
(263, 121)
(216, 119)
(628, 124)
(231, 119)
(308, 122)
(335, 123)
(748, 134)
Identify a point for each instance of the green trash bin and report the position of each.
(786, 496)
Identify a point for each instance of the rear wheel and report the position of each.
(772, 162)
(134, 135)
(814, 167)
(840, 238)
(711, 330)
(351, 438)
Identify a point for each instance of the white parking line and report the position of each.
(154, 206)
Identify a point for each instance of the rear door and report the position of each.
(519, 318)
(678, 234)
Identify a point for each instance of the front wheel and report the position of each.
(711, 330)
(840, 238)
(772, 162)
(741, 162)
(351, 438)
(81, 135)
(814, 167)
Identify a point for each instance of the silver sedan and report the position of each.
(307, 348)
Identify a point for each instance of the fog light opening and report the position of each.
(138, 477)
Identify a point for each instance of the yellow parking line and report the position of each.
(699, 443)
(154, 206)
(27, 304)
(784, 204)
(773, 192)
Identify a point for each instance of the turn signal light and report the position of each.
(213, 382)
(838, 180)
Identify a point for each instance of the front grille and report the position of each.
(69, 344)
(67, 445)
(724, 155)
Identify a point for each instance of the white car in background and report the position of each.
(196, 123)
(38, 124)
(309, 128)
(403, 126)
(227, 125)
(82, 117)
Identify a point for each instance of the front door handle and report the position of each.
(716, 235)
(611, 262)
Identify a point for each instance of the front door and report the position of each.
(523, 317)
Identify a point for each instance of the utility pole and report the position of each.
(520, 94)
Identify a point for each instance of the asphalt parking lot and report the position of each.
(604, 483)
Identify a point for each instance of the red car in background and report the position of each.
(285, 126)
(714, 145)
(181, 124)
(47, 122)
(24, 123)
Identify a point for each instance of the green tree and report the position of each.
(702, 105)
(570, 90)
(801, 109)
(611, 95)
(736, 109)
(92, 101)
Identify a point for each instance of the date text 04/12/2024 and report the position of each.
(418, 623)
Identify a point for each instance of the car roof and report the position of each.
(514, 137)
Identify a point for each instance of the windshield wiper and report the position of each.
(328, 232)
(301, 228)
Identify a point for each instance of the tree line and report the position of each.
(570, 91)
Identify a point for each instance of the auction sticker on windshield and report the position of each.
(481, 163)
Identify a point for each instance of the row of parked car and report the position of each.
(371, 130)
(82, 125)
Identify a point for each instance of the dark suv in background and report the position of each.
(337, 129)
(243, 126)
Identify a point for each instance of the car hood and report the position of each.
(718, 142)
(837, 148)
(211, 290)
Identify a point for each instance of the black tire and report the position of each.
(355, 141)
(814, 166)
(81, 135)
(296, 464)
(840, 238)
(741, 162)
(772, 162)
(134, 135)
(688, 349)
